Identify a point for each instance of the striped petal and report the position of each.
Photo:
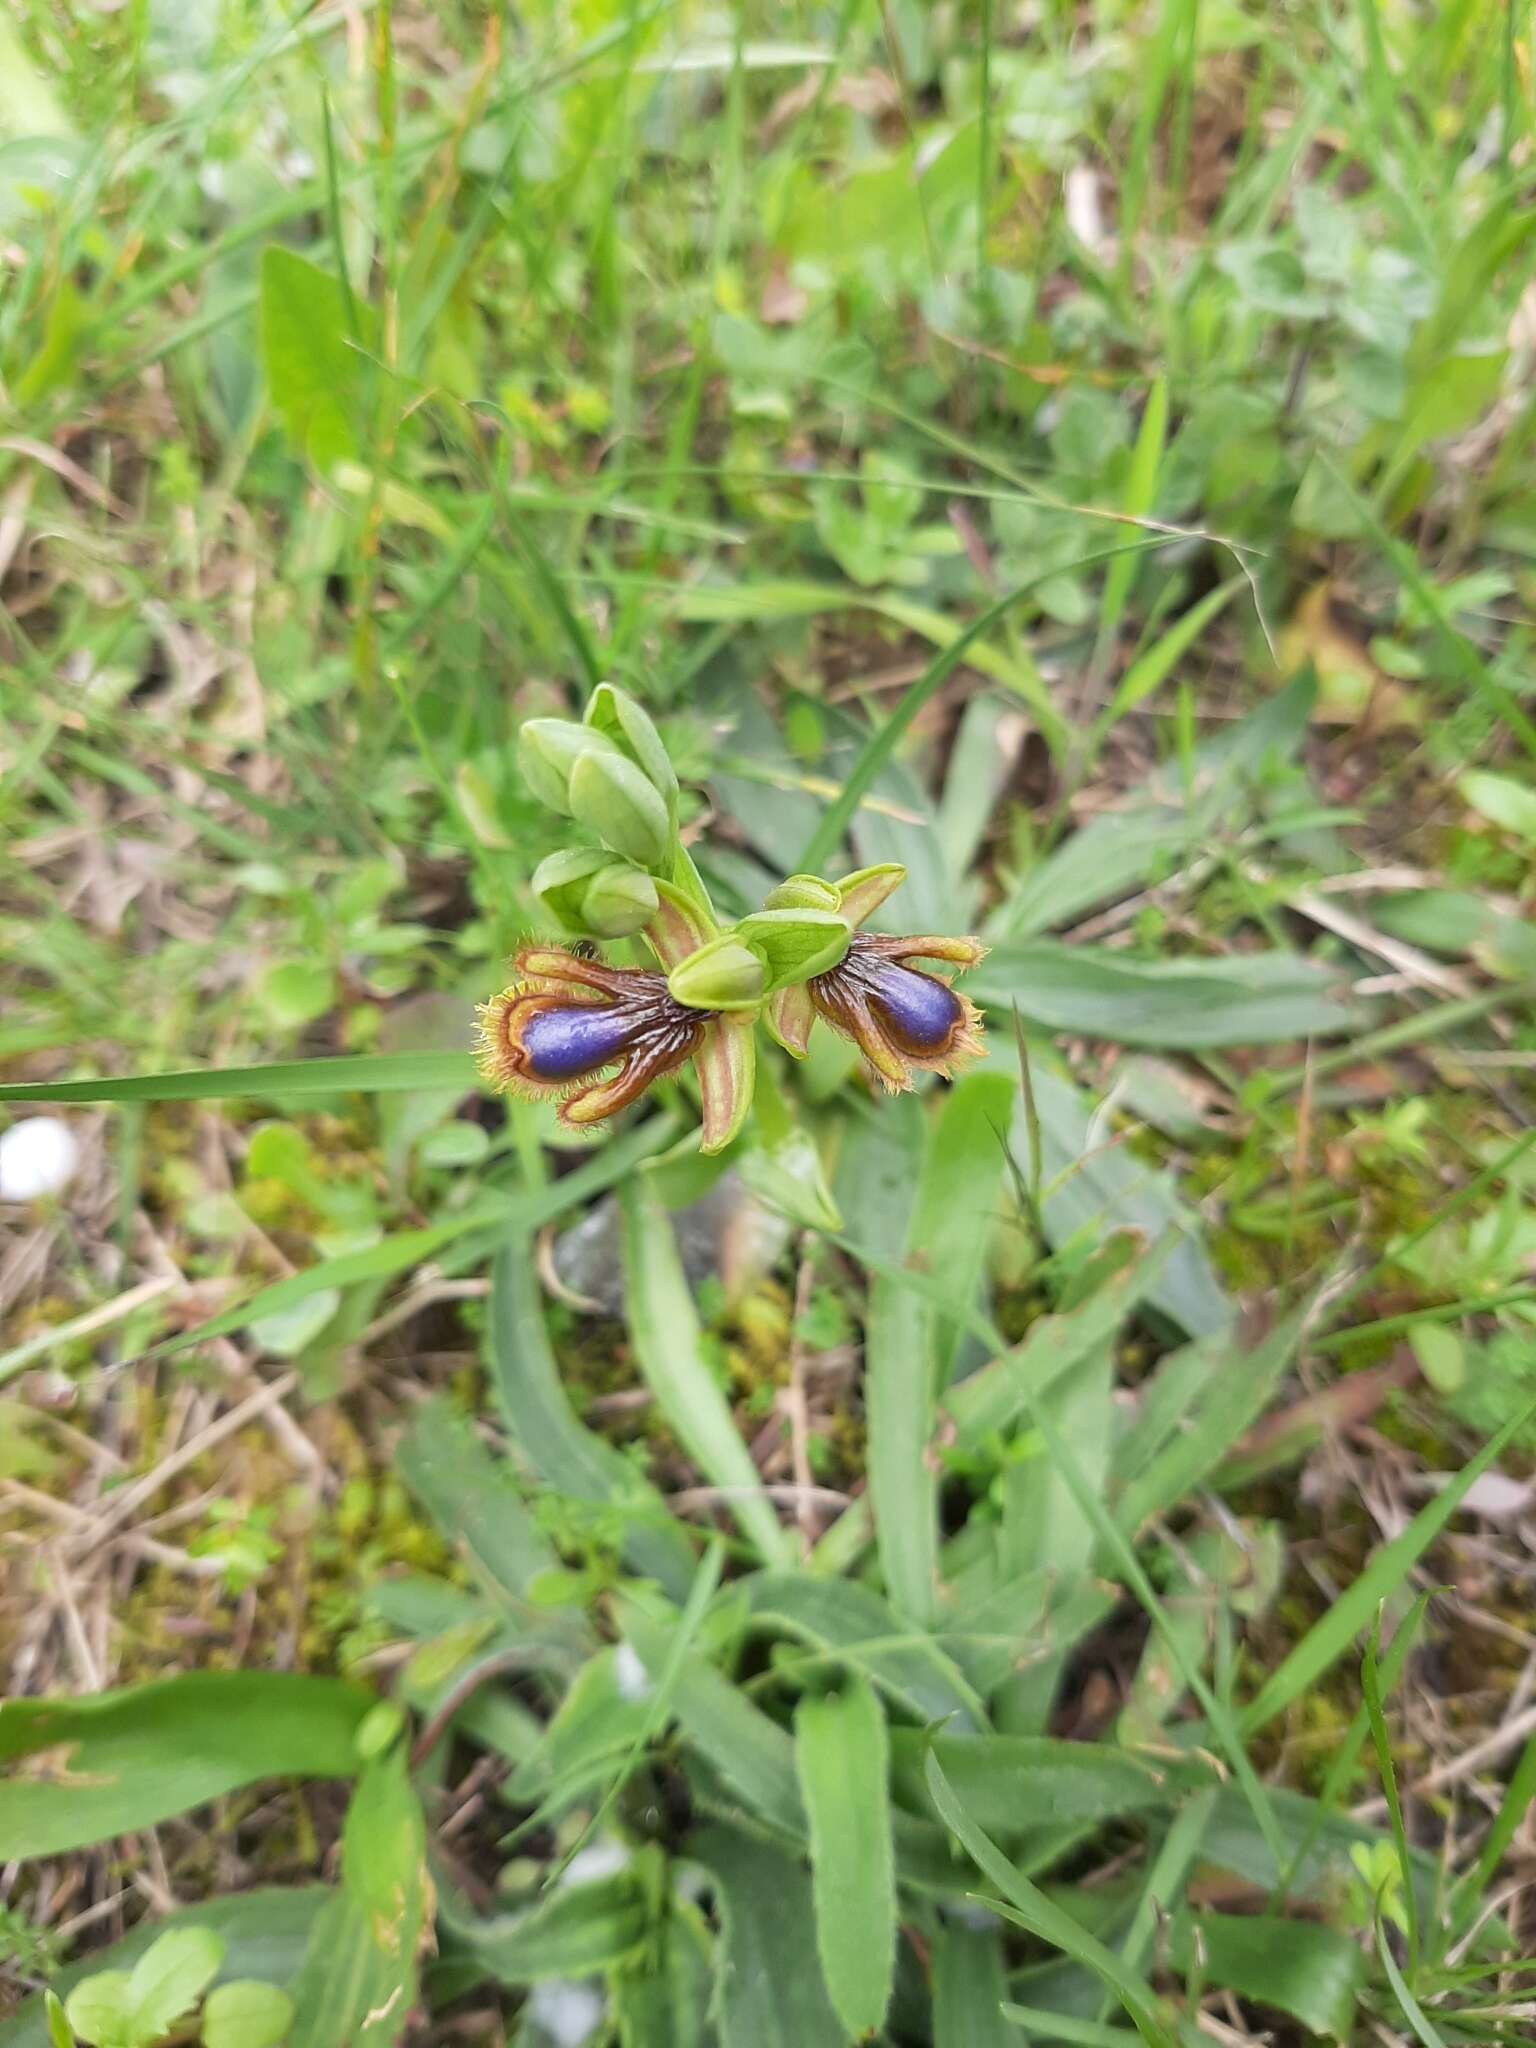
(680, 927)
(862, 893)
(726, 1064)
(789, 1017)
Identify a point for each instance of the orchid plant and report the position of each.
(595, 1036)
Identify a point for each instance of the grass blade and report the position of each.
(366, 1074)
(882, 743)
(1328, 1639)
(1047, 1921)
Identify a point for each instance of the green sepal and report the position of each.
(794, 945)
(863, 892)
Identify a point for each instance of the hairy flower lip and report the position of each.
(900, 1017)
(568, 1020)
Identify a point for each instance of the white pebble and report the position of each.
(38, 1157)
(603, 1859)
(566, 2013)
(630, 1675)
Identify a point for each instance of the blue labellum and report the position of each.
(563, 1044)
(922, 1010)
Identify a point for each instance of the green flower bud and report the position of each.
(616, 715)
(724, 975)
(803, 892)
(590, 892)
(615, 801)
(794, 945)
(547, 752)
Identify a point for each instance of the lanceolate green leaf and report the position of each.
(142, 1754)
(969, 1986)
(1028, 1782)
(861, 1632)
(313, 370)
(1101, 1187)
(840, 1752)
(564, 1453)
(1176, 1005)
(569, 1933)
(1234, 1400)
(1312, 1972)
(665, 1327)
(909, 1348)
(472, 1499)
(770, 1992)
(957, 1199)
(903, 1487)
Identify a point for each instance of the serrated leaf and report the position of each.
(841, 1748)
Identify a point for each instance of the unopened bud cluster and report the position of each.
(612, 774)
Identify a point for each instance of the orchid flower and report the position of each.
(568, 1021)
(899, 1017)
